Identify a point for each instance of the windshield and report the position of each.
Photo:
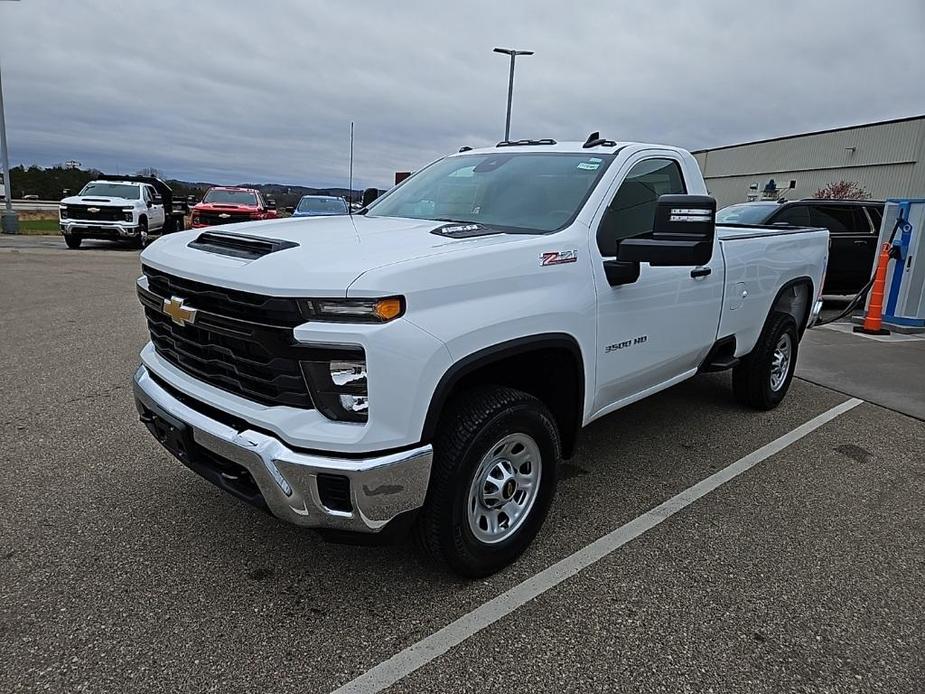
(112, 190)
(745, 214)
(323, 205)
(525, 192)
(231, 197)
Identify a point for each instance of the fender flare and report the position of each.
(803, 279)
(484, 357)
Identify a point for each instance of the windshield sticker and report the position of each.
(558, 257)
(588, 166)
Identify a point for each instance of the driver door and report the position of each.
(156, 213)
(654, 331)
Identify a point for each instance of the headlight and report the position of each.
(354, 310)
(62, 211)
(127, 214)
(338, 385)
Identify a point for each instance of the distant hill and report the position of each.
(55, 182)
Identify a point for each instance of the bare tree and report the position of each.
(148, 171)
(843, 190)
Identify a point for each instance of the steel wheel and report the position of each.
(504, 487)
(780, 362)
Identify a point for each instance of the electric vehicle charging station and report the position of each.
(904, 308)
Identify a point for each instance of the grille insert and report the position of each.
(257, 361)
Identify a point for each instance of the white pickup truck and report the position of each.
(119, 208)
(427, 362)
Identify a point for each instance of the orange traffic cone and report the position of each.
(873, 321)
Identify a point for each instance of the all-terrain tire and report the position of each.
(759, 380)
(72, 240)
(470, 429)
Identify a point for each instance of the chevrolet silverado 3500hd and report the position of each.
(427, 362)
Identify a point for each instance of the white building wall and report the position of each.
(886, 159)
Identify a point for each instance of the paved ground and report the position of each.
(120, 571)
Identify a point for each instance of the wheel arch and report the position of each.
(796, 298)
(516, 363)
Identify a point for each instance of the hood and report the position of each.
(98, 200)
(330, 252)
(219, 206)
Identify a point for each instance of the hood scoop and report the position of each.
(239, 245)
(466, 230)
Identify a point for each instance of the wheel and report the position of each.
(761, 379)
(142, 239)
(178, 225)
(493, 478)
(72, 240)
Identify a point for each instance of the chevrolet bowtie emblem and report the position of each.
(179, 314)
(224, 215)
(94, 210)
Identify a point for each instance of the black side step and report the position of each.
(721, 355)
(720, 364)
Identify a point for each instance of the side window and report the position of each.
(797, 215)
(632, 210)
(840, 219)
(146, 194)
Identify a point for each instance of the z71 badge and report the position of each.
(558, 257)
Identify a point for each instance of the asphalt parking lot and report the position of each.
(122, 571)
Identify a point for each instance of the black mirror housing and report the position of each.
(682, 233)
(369, 195)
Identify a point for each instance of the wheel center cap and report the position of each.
(509, 488)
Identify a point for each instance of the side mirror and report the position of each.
(369, 195)
(682, 233)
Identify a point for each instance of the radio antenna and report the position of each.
(350, 184)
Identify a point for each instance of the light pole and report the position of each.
(9, 222)
(510, 86)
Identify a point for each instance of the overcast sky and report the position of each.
(229, 92)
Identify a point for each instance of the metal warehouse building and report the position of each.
(887, 159)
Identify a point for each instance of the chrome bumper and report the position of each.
(381, 487)
(124, 230)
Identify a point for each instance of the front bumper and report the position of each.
(380, 487)
(99, 230)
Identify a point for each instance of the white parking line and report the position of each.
(402, 664)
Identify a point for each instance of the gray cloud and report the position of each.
(232, 92)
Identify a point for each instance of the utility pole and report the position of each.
(510, 86)
(9, 221)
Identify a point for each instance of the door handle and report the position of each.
(700, 272)
(861, 242)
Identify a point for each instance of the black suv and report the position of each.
(853, 225)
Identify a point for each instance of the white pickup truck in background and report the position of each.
(119, 208)
(428, 362)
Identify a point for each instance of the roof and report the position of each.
(568, 147)
(248, 190)
(814, 132)
(814, 201)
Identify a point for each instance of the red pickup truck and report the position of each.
(227, 205)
